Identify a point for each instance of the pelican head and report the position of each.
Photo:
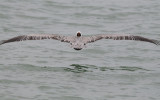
(78, 34)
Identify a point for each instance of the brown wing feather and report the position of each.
(34, 37)
(120, 37)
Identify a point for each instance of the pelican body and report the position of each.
(79, 42)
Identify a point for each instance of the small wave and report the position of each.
(90, 68)
(78, 68)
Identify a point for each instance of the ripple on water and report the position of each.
(76, 68)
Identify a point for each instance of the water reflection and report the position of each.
(77, 68)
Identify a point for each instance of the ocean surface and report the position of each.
(105, 70)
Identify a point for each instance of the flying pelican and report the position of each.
(78, 42)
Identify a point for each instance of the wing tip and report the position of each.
(156, 42)
(2, 42)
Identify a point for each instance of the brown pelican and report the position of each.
(78, 42)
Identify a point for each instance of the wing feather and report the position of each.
(36, 37)
(94, 38)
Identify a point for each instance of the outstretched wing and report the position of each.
(37, 37)
(94, 38)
